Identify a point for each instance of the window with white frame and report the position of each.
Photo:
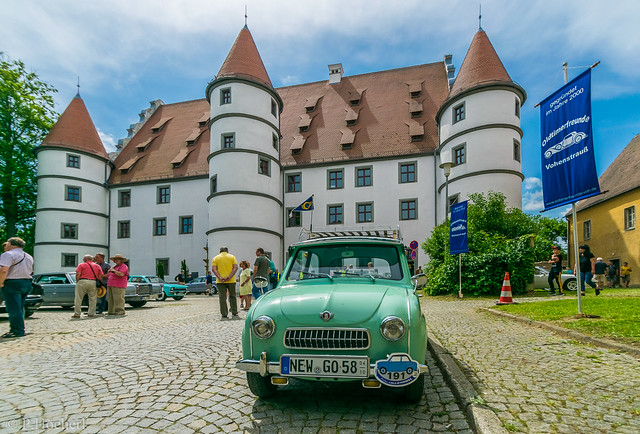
(630, 218)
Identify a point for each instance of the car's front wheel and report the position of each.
(260, 386)
(137, 303)
(178, 297)
(414, 391)
(28, 313)
(161, 296)
(570, 285)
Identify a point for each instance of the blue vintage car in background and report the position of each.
(343, 305)
(161, 288)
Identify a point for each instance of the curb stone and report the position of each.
(599, 342)
(482, 419)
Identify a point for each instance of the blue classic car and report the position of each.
(161, 288)
(345, 309)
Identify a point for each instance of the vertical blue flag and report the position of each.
(568, 160)
(458, 235)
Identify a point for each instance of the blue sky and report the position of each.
(129, 53)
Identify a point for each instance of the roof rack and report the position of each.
(383, 232)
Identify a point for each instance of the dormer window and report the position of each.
(348, 137)
(416, 131)
(355, 96)
(352, 117)
(141, 147)
(180, 158)
(297, 145)
(305, 122)
(304, 129)
(194, 136)
(415, 89)
(204, 119)
(126, 167)
(160, 125)
(311, 104)
(415, 108)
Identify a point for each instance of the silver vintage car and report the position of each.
(58, 289)
(541, 280)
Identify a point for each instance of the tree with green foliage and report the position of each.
(183, 266)
(500, 239)
(160, 270)
(26, 116)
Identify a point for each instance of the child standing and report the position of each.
(245, 286)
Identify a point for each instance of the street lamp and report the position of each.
(446, 165)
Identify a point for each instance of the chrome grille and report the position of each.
(322, 339)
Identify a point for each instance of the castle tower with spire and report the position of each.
(479, 125)
(72, 215)
(246, 196)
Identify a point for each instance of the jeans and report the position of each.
(15, 293)
(101, 305)
(586, 276)
(257, 292)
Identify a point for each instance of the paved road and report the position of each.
(170, 367)
(537, 381)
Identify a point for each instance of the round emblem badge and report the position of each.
(326, 315)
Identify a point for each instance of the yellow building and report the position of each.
(607, 222)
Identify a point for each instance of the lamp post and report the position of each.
(446, 165)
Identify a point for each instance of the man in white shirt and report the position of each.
(16, 268)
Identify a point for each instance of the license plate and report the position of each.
(325, 366)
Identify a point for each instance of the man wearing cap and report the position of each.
(86, 275)
(555, 274)
(16, 267)
(600, 268)
(117, 285)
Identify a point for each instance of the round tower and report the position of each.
(246, 193)
(480, 129)
(72, 204)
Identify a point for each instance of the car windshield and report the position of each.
(155, 279)
(373, 261)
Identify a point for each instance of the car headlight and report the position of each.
(263, 327)
(392, 328)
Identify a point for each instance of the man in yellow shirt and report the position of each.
(224, 267)
(625, 274)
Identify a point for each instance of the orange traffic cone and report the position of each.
(505, 295)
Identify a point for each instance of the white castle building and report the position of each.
(228, 169)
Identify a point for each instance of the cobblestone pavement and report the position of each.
(534, 380)
(169, 366)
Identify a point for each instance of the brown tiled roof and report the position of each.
(75, 129)
(244, 60)
(384, 125)
(481, 65)
(620, 177)
(383, 115)
(169, 146)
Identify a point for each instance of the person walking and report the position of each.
(117, 285)
(555, 274)
(87, 273)
(600, 270)
(260, 269)
(587, 261)
(101, 304)
(224, 267)
(16, 267)
(612, 274)
(245, 285)
(209, 280)
(625, 274)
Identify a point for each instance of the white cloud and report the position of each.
(108, 141)
(532, 200)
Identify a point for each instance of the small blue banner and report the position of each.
(307, 205)
(568, 160)
(458, 235)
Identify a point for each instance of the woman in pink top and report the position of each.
(117, 285)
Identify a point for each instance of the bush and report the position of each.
(500, 240)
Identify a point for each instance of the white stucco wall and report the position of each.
(188, 198)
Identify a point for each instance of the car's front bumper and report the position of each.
(264, 367)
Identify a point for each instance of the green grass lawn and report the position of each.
(618, 311)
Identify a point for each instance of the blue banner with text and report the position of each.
(458, 236)
(568, 160)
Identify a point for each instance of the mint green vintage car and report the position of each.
(345, 309)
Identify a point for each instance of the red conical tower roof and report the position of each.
(75, 129)
(244, 60)
(481, 65)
